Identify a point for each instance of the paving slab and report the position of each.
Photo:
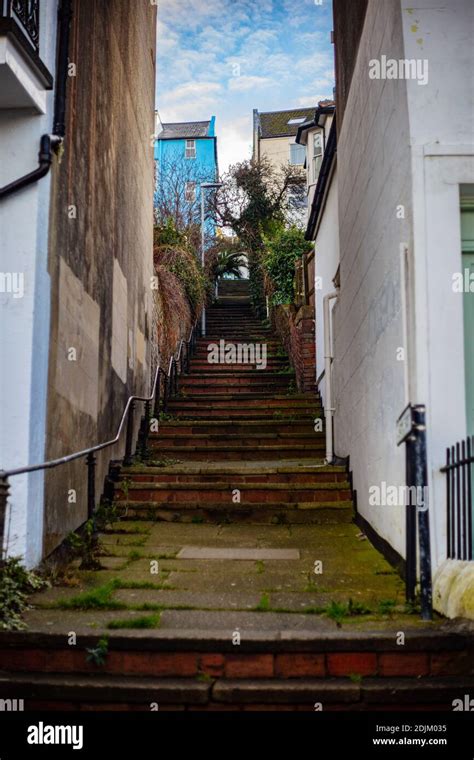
(208, 552)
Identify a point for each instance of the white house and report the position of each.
(394, 229)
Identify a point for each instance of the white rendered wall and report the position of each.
(24, 322)
(374, 179)
(327, 261)
(442, 160)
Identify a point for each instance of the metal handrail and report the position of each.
(171, 384)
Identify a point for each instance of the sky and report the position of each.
(227, 57)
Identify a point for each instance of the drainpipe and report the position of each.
(45, 159)
(328, 359)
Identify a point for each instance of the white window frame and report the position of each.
(317, 156)
(190, 149)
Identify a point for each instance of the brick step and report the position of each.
(195, 411)
(246, 376)
(204, 365)
(256, 399)
(250, 493)
(264, 513)
(250, 439)
(355, 670)
(221, 389)
(253, 453)
(233, 476)
(261, 335)
(246, 427)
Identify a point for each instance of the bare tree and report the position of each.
(177, 192)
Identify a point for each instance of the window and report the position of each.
(317, 155)
(190, 192)
(300, 120)
(190, 151)
(297, 154)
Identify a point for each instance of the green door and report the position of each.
(467, 232)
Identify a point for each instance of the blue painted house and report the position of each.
(185, 156)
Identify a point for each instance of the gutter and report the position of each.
(329, 409)
(329, 154)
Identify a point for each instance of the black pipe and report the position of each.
(45, 159)
(62, 63)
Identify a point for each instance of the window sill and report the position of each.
(24, 79)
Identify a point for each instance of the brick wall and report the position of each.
(295, 327)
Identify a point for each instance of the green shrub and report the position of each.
(15, 584)
(282, 250)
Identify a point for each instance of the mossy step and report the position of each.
(223, 486)
(283, 507)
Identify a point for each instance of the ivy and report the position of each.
(16, 583)
(281, 252)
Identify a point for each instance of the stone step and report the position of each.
(249, 493)
(357, 670)
(194, 411)
(265, 513)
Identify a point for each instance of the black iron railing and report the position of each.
(26, 14)
(165, 385)
(459, 497)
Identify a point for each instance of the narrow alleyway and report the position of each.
(234, 575)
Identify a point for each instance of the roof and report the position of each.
(185, 130)
(275, 123)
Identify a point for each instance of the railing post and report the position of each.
(175, 378)
(165, 392)
(127, 460)
(4, 490)
(90, 462)
(145, 431)
(156, 410)
(421, 482)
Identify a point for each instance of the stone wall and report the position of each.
(101, 246)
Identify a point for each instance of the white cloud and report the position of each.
(242, 83)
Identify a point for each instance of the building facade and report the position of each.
(76, 337)
(185, 157)
(274, 139)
